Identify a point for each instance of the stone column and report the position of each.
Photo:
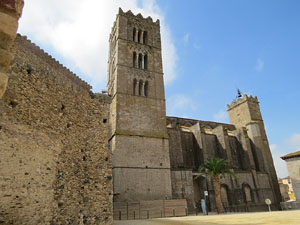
(137, 87)
(10, 12)
(142, 37)
(143, 67)
(137, 61)
(136, 36)
(143, 88)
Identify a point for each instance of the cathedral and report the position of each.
(156, 157)
(71, 156)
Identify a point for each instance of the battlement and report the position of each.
(239, 101)
(184, 122)
(52, 61)
(139, 16)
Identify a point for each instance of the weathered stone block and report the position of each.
(3, 83)
(8, 24)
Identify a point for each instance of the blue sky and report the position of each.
(210, 48)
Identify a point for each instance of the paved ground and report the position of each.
(261, 218)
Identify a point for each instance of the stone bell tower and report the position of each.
(245, 112)
(138, 139)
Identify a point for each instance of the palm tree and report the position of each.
(215, 167)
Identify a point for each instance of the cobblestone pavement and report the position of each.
(260, 218)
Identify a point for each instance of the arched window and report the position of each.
(139, 36)
(247, 193)
(146, 89)
(145, 62)
(134, 59)
(140, 87)
(133, 34)
(145, 37)
(140, 61)
(134, 86)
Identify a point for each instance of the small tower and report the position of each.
(245, 112)
(138, 139)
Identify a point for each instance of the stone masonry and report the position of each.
(55, 165)
(156, 157)
(10, 12)
(67, 153)
(245, 112)
(138, 139)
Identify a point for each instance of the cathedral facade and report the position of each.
(156, 157)
(69, 155)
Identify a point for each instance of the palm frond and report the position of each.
(215, 166)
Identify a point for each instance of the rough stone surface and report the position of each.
(193, 141)
(10, 12)
(245, 112)
(3, 83)
(149, 148)
(55, 164)
(138, 139)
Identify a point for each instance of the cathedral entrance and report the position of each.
(200, 186)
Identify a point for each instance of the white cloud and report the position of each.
(221, 116)
(294, 142)
(78, 31)
(186, 38)
(259, 65)
(179, 105)
(280, 164)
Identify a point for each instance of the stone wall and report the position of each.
(150, 209)
(10, 12)
(55, 164)
(245, 113)
(293, 166)
(193, 142)
(139, 140)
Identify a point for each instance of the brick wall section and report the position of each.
(55, 164)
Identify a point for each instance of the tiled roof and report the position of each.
(291, 155)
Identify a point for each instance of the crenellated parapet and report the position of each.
(138, 16)
(239, 101)
(173, 122)
(148, 20)
(44, 56)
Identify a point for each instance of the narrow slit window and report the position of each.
(140, 87)
(133, 34)
(134, 86)
(145, 62)
(140, 61)
(146, 89)
(134, 59)
(139, 36)
(145, 37)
